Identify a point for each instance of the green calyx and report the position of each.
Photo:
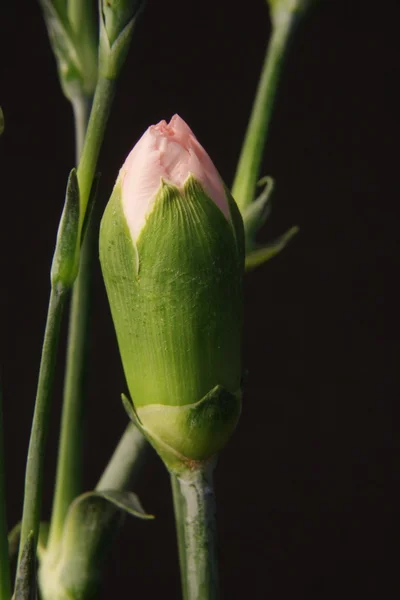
(176, 301)
(117, 20)
(184, 435)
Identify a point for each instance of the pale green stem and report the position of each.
(81, 106)
(5, 580)
(40, 423)
(68, 476)
(194, 504)
(180, 533)
(101, 107)
(248, 168)
(126, 462)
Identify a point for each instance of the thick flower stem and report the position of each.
(247, 171)
(40, 423)
(68, 480)
(5, 581)
(194, 504)
(180, 532)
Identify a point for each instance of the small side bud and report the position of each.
(117, 20)
(73, 37)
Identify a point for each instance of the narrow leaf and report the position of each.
(66, 255)
(261, 255)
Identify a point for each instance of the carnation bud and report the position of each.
(172, 255)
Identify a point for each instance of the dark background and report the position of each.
(307, 488)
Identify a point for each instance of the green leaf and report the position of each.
(121, 499)
(25, 587)
(92, 522)
(256, 213)
(65, 265)
(261, 255)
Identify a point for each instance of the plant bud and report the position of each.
(117, 20)
(172, 255)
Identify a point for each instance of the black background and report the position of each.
(307, 494)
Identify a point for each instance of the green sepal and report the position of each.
(116, 14)
(116, 34)
(25, 586)
(122, 499)
(256, 213)
(90, 526)
(264, 253)
(192, 433)
(177, 314)
(65, 265)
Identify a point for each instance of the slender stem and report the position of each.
(101, 107)
(126, 462)
(81, 106)
(247, 171)
(5, 580)
(40, 423)
(68, 476)
(194, 504)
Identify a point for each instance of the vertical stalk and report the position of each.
(81, 106)
(5, 580)
(247, 171)
(40, 423)
(100, 112)
(180, 532)
(68, 475)
(194, 504)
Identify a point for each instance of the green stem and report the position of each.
(126, 462)
(194, 504)
(247, 171)
(81, 106)
(101, 107)
(5, 580)
(180, 533)
(40, 423)
(68, 476)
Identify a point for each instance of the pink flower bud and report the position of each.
(169, 152)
